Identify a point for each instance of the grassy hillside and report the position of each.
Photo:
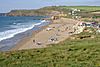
(87, 8)
(70, 53)
(50, 10)
(28, 12)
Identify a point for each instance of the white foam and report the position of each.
(18, 29)
(43, 21)
(14, 23)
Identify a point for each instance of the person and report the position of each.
(52, 39)
(66, 28)
(39, 43)
(33, 41)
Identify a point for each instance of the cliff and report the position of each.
(32, 13)
(85, 11)
(47, 11)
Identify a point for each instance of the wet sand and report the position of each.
(57, 31)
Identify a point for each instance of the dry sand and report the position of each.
(59, 30)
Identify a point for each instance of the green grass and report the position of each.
(87, 8)
(48, 10)
(85, 11)
(70, 53)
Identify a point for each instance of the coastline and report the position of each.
(26, 39)
(57, 31)
(16, 28)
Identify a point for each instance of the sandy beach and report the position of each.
(56, 32)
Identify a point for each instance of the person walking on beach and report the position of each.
(33, 41)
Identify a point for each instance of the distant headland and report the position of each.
(53, 10)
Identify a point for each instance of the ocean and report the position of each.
(13, 29)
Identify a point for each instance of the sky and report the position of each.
(7, 5)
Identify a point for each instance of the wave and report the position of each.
(17, 29)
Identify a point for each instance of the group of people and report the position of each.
(54, 38)
(38, 43)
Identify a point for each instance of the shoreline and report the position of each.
(17, 29)
(27, 38)
(57, 31)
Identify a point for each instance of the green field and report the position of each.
(70, 53)
(48, 10)
(87, 8)
(85, 11)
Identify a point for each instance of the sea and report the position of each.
(13, 29)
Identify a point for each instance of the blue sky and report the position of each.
(7, 5)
